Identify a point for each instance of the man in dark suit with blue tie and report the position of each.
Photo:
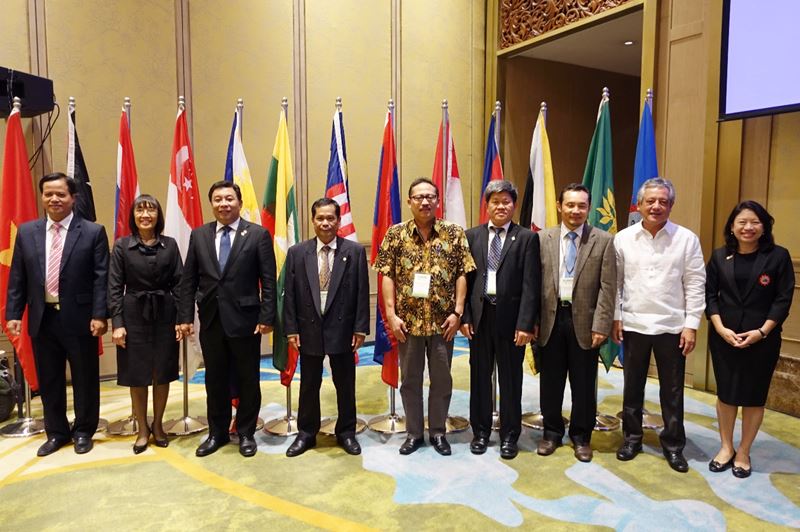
(230, 273)
(499, 317)
(326, 312)
(59, 271)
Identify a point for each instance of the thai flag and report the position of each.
(387, 213)
(492, 167)
(337, 187)
(127, 180)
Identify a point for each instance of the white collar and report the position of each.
(64, 223)
(331, 244)
(233, 225)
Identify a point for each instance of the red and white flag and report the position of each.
(184, 210)
(127, 180)
(17, 206)
(452, 208)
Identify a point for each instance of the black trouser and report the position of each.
(485, 347)
(343, 371)
(563, 356)
(671, 366)
(52, 348)
(231, 359)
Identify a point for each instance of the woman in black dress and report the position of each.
(144, 271)
(749, 287)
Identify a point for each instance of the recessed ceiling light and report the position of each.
(629, 43)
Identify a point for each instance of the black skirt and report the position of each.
(744, 375)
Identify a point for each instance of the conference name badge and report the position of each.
(565, 288)
(491, 283)
(422, 285)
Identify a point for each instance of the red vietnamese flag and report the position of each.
(127, 180)
(184, 212)
(17, 206)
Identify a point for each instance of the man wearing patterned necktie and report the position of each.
(230, 273)
(578, 289)
(59, 270)
(499, 317)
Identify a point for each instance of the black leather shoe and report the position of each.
(350, 445)
(50, 446)
(547, 447)
(163, 442)
(716, 467)
(211, 445)
(83, 444)
(479, 444)
(411, 444)
(628, 451)
(439, 443)
(740, 472)
(508, 450)
(677, 461)
(247, 445)
(300, 445)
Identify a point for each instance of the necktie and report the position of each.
(495, 248)
(571, 256)
(224, 247)
(54, 265)
(324, 269)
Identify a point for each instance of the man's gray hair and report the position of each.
(657, 182)
(500, 186)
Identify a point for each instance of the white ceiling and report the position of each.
(597, 46)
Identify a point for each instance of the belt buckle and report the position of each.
(564, 304)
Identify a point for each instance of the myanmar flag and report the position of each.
(279, 216)
(599, 179)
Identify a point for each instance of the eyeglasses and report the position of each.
(419, 198)
(143, 210)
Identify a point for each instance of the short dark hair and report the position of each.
(324, 202)
(55, 176)
(225, 184)
(766, 242)
(574, 187)
(419, 181)
(146, 200)
(499, 186)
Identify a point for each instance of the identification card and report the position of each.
(491, 283)
(565, 288)
(422, 285)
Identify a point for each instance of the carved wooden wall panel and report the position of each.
(521, 20)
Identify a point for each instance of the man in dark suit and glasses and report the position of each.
(60, 270)
(579, 280)
(230, 273)
(499, 317)
(326, 312)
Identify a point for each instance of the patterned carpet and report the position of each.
(171, 489)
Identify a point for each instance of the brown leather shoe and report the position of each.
(583, 453)
(547, 447)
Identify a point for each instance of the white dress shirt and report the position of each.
(492, 234)
(563, 243)
(48, 242)
(323, 294)
(660, 280)
(234, 228)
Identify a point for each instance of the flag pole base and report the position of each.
(102, 425)
(535, 420)
(23, 428)
(605, 423)
(284, 426)
(650, 420)
(453, 424)
(495, 421)
(124, 427)
(388, 424)
(328, 426)
(185, 426)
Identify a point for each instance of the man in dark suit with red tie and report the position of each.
(326, 312)
(230, 273)
(499, 317)
(59, 271)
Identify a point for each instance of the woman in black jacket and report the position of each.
(749, 287)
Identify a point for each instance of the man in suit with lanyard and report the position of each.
(60, 271)
(579, 278)
(326, 312)
(230, 273)
(499, 317)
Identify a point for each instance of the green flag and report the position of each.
(598, 177)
